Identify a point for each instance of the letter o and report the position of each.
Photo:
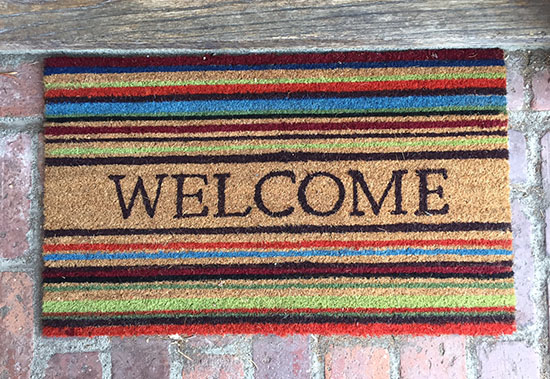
(302, 199)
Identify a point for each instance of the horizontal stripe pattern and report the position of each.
(325, 276)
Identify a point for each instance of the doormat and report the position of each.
(359, 193)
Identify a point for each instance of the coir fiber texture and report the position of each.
(360, 193)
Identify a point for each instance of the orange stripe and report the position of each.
(264, 88)
(376, 329)
(507, 244)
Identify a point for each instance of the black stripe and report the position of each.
(155, 273)
(62, 119)
(280, 156)
(277, 137)
(278, 95)
(289, 229)
(287, 318)
(289, 265)
(200, 277)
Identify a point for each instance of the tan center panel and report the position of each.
(85, 198)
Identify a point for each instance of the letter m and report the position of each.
(139, 188)
(395, 181)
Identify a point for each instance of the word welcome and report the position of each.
(359, 189)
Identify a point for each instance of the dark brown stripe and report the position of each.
(277, 126)
(279, 319)
(276, 268)
(288, 229)
(236, 116)
(278, 95)
(282, 156)
(283, 270)
(277, 58)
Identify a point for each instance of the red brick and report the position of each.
(545, 169)
(518, 156)
(205, 343)
(357, 362)
(434, 357)
(523, 265)
(140, 357)
(15, 183)
(515, 83)
(508, 360)
(74, 366)
(213, 366)
(541, 90)
(16, 324)
(21, 90)
(281, 357)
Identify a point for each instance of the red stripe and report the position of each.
(286, 310)
(455, 268)
(494, 329)
(184, 129)
(274, 58)
(266, 88)
(507, 244)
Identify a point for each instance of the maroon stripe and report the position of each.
(61, 130)
(448, 268)
(259, 59)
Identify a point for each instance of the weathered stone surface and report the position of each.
(433, 357)
(74, 366)
(15, 184)
(358, 362)
(16, 325)
(140, 357)
(281, 357)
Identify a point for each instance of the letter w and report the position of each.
(127, 210)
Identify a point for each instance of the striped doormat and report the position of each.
(359, 193)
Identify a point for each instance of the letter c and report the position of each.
(258, 193)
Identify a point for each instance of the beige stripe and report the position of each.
(274, 121)
(327, 135)
(265, 74)
(327, 259)
(261, 237)
(224, 293)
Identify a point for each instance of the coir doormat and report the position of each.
(357, 193)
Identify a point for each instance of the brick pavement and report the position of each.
(24, 353)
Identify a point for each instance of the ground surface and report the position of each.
(24, 353)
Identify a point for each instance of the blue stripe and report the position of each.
(259, 105)
(294, 66)
(269, 254)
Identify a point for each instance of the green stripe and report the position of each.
(351, 79)
(95, 287)
(192, 149)
(291, 302)
(283, 112)
(305, 314)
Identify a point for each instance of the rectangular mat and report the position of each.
(357, 193)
